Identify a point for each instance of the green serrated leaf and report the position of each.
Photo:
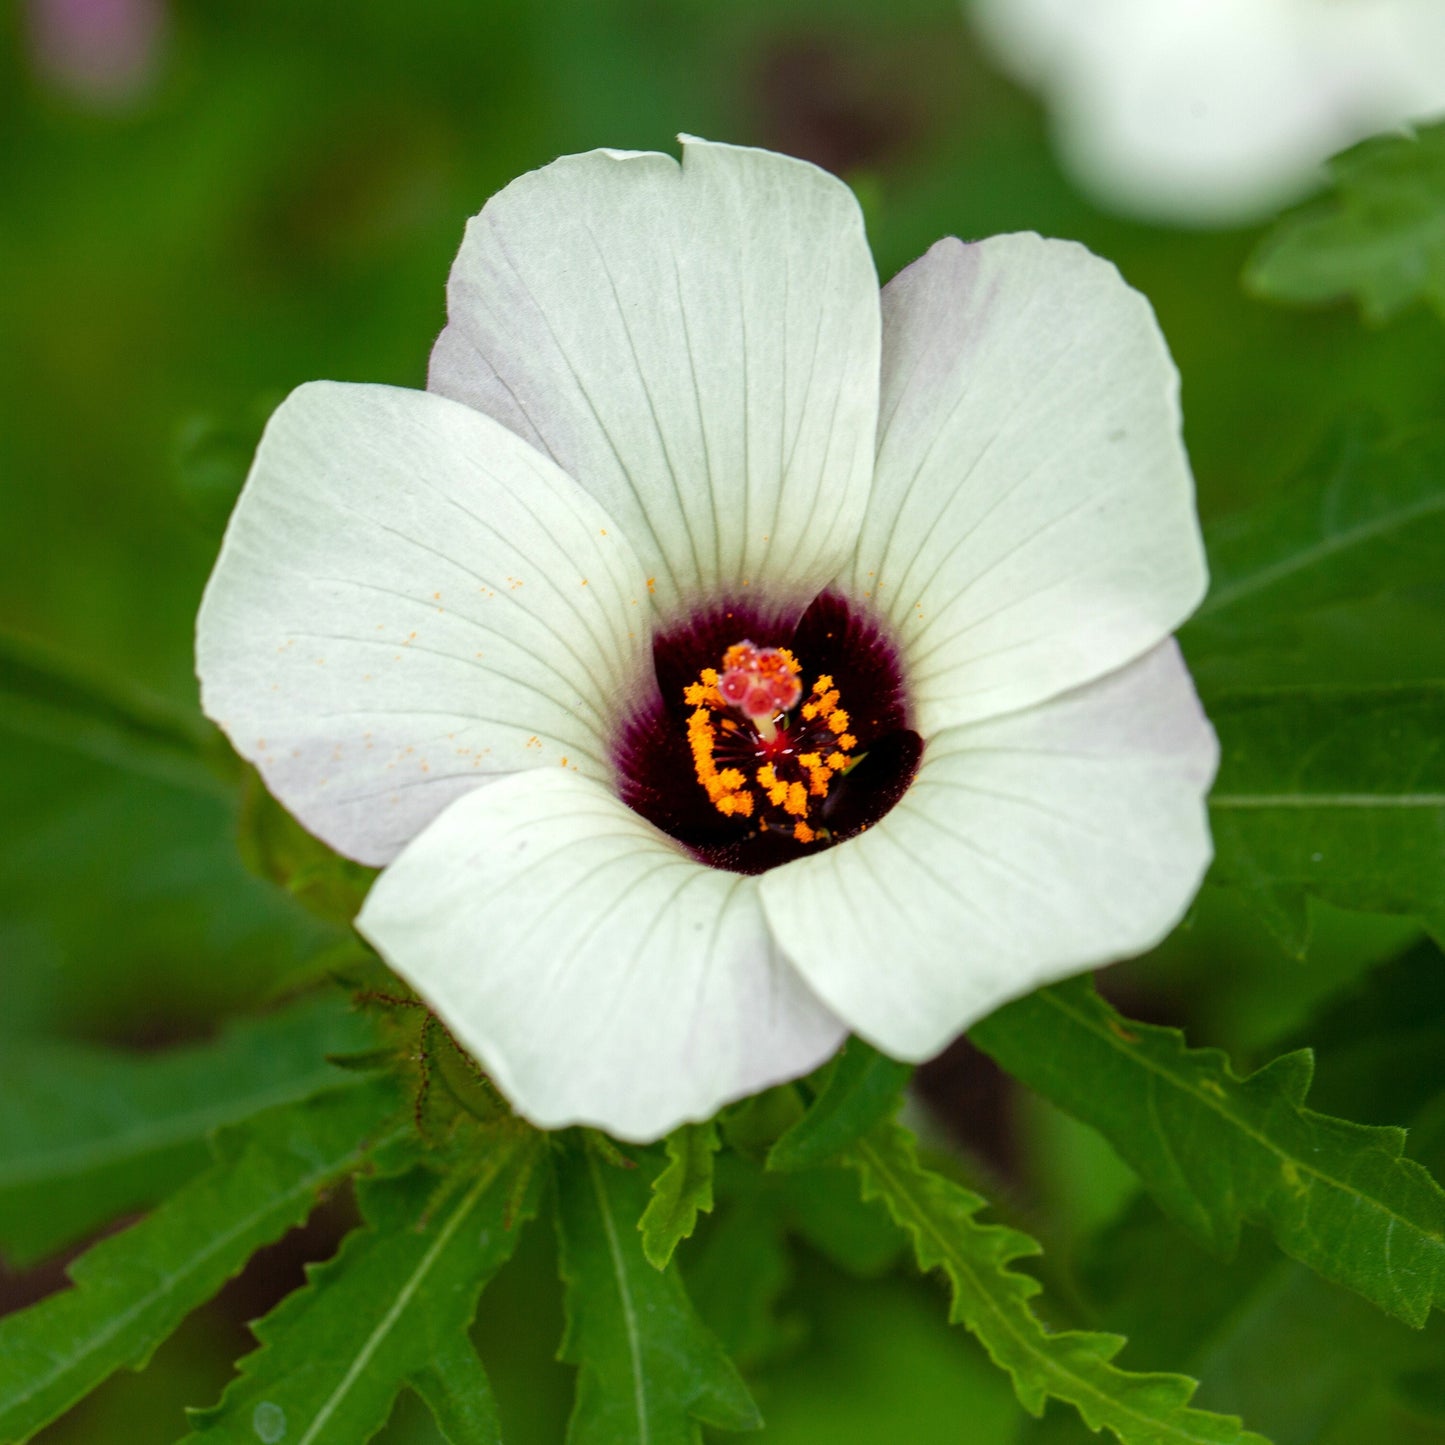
(1335, 793)
(393, 1308)
(1215, 1149)
(1379, 239)
(87, 1134)
(862, 1088)
(1273, 1341)
(681, 1191)
(134, 1288)
(649, 1370)
(1366, 515)
(992, 1301)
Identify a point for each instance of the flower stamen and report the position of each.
(751, 758)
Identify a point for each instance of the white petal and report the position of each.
(1032, 522)
(1029, 847)
(696, 344)
(410, 602)
(598, 973)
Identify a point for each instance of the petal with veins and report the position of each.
(409, 602)
(1032, 522)
(1029, 847)
(697, 345)
(599, 974)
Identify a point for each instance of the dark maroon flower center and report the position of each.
(769, 738)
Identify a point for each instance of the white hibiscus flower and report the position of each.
(719, 659)
(1207, 112)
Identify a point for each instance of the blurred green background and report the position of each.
(279, 201)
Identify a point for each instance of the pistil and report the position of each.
(753, 760)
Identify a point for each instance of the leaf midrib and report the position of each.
(1111, 1403)
(629, 1310)
(404, 1296)
(1267, 576)
(281, 1203)
(1213, 1105)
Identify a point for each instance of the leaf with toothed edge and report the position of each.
(649, 1371)
(681, 1191)
(1215, 1149)
(1380, 238)
(133, 1289)
(992, 1301)
(392, 1310)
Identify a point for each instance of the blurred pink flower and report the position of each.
(102, 52)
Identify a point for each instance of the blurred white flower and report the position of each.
(720, 659)
(1216, 112)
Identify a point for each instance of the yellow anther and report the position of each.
(762, 772)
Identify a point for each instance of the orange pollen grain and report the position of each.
(743, 706)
